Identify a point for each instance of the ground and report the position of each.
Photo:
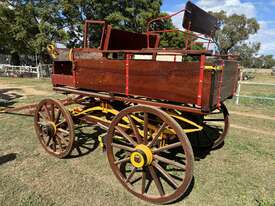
(240, 173)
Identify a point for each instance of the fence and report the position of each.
(238, 95)
(41, 71)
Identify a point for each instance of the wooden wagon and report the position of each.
(151, 101)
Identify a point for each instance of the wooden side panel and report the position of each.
(208, 88)
(171, 81)
(63, 80)
(229, 79)
(164, 80)
(100, 75)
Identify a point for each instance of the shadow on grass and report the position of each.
(86, 141)
(202, 152)
(8, 96)
(7, 158)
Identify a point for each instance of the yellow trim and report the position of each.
(70, 56)
(147, 151)
(198, 127)
(133, 161)
(106, 108)
(54, 127)
(52, 51)
(213, 67)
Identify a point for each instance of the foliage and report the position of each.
(28, 26)
(246, 51)
(234, 30)
(263, 61)
(232, 38)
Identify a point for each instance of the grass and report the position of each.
(241, 173)
(264, 106)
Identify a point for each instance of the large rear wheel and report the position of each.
(151, 156)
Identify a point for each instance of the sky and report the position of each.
(262, 10)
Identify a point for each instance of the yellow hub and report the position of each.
(53, 127)
(142, 156)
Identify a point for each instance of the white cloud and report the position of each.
(266, 37)
(230, 6)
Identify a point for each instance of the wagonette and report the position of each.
(155, 106)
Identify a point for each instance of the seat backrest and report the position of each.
(198, 20)
(125, 40)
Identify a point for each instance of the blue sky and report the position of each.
(262, 10)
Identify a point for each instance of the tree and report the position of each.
(131, 15)
(246, 51)
(233, 35)
(234, 31)
(269, 62)
(27, 27)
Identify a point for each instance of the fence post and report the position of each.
(38, 71)
(238, 93)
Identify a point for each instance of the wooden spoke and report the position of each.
(122, 160)
(170, 162)
(62, 139)
(54, 145)
(126, 136)
(213, 120)
(156, 180)
(42, 123)
(49, 140)
(165, 174)
(167, 147)
(63, 131)
(52, 113)
(42, 115)
(145, 128)
(135, 129)
(155, 138)
(131, 175)
(59, 143)
(119, 146)
(48, 112)
(57, 125)
(58, 116)
(143, 182)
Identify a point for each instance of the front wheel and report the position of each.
(54, 128)
(151, 156)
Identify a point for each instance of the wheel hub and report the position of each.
(49, 129)
(142, 156)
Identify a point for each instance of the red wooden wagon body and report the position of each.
(155, 105)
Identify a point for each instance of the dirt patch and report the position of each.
(23, 90)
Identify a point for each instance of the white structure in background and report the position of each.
(161, 56)
(41, 71)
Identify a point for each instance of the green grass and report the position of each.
(241, 173)
(266, 106)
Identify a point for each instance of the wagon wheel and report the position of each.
(215, 128)
(54, 128)
(153, 165)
